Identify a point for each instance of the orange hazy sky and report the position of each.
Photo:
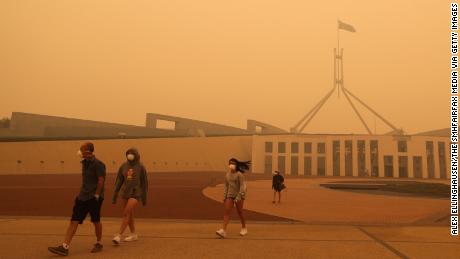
(226, 61)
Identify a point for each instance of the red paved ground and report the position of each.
(171, 196)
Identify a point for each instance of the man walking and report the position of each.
(89, 199)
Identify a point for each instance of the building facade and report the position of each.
(353, 155)
(423, 157)
(192, 145)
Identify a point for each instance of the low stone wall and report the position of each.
(157, 154)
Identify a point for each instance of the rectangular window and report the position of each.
(166, 125)
(307, 147)
(403, 171)
(430, 159)
(402, 146)
(268, 165)
(336, 158)
(388, 164)
(321, 166)
(268, 147)
(442, 160)
(348, 158)
(294, 165)
(294, 147)
(321, 148)
(281, 147)
(362, 170)
(374, 158)
(417, 163)
(307, 165)
(282, 164)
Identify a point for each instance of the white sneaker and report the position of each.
(243, 232)
(116, 239)
(132, 237)
(221, 233)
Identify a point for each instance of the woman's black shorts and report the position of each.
(82, 208)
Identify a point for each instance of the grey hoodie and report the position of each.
(132, 179)
(235, 186)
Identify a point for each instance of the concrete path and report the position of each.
(30, 237)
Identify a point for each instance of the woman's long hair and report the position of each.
(241, 166)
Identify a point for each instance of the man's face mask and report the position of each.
(130, 157)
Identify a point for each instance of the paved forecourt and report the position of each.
(306, 201)
(29, 237)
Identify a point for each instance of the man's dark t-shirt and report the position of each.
(91, 171)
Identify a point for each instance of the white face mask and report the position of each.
(232, 167)
(130, 157)
(79, 154)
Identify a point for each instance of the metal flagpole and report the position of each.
(317, 109)
(339, 83)
(295, 128)
(374, 112)
(336, 54)
(357, 113)
(341, 70)
(375, 126)
(338, 36)
(335, 73)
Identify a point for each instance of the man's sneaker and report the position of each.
(97, 248)
(132, 237)
(221, 233)
(116, 239)
(243, 232)
(59, 250)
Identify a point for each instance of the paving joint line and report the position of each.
(383, 243)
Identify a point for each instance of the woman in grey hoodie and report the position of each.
(234, 194)
(132, 180)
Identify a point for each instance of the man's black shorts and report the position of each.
(82, 208)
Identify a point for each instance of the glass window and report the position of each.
(281, 147)
(348, 158)
(403, 172)
(362, 170)
(307, 165)
(294, 165)
(336, 158)
(307, 147)
(268, 147)
(321, 166)
(402, 146)
(388, 164)
(294, 147)
(282, 164)
(268, 165)
(321, 148)
(442, 160)
(417, 161)
(430, 159)
(374, 158)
